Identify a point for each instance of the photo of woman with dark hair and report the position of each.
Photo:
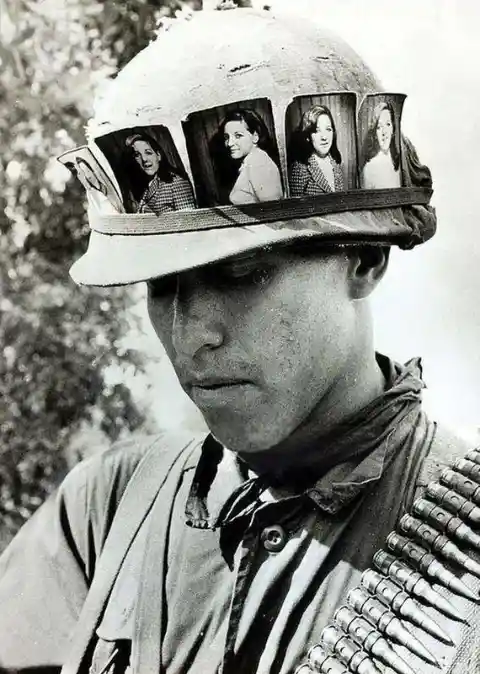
(168, 188)
(96, 189)
(316, 166)
(101, 193)
(256, 175)
(381, 153)
(88, 177)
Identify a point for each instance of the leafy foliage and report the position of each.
(55, 339)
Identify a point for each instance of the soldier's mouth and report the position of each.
(217, 391)
(215, 386)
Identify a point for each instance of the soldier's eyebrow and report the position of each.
(258, 254)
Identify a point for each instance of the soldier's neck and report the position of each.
(356, 391)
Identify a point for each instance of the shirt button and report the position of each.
(273, 538)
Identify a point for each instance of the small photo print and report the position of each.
(148, 169)
(321, 144)
(234, 154)
(101, 192)
(379, 138)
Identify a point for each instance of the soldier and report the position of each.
(291, 536)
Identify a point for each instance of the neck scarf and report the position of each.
(359, 449)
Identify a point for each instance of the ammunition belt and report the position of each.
(439, 530)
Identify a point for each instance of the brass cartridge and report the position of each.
(321, 661)
(305, 669)
(347, 651)
(444, 521)
(370, 639)
(387, 623)
(428, 564)
(427, 535)
(468, 468)
(400, 602)
(473, 455)
(454, 502)
(462, 484)
(414, 583)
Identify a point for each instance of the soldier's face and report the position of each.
(257, 342)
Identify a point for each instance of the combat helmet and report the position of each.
(237, 130)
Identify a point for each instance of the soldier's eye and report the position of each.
(162, 287)
(241, 275)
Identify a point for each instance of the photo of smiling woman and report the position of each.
(381, 150)
(166, 187)
(248, 147)
(317, 167)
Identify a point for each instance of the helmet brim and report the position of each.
(116, 259)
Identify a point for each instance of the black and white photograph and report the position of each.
(149, 170)
(321, 144)
(379, 137)
(234, 155)
(239, 353)
(101, 193)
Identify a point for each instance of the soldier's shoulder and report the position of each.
(114, 466)
(447, 446)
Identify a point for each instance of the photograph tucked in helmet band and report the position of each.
(229, 156)
(379, 141)
(321, 144)
(102, 195)
(234, 155)
(149, 170)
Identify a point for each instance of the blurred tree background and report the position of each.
(56, 340)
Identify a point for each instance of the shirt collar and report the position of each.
(222, 487)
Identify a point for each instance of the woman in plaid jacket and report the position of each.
(317, 168)
(168, 189)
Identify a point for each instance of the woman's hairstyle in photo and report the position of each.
(370, 145)
(99, 187)
(226, 168)
(71, 167)
(301, 142)
(254, 124)
(166, 171)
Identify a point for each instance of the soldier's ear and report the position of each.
(367, 265)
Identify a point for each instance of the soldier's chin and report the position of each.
(245, 436)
